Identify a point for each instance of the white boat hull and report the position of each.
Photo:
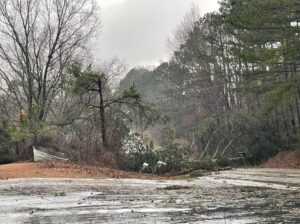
(42, 156)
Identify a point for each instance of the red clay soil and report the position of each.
(63, 170)
(284, 160)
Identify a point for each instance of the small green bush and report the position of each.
(7, 148)
(7, 155)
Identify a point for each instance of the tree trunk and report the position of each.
(102, 114)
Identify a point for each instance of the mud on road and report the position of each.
(237, 196)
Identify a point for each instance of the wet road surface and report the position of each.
(236, 196)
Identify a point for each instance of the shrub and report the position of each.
(136, 153)
(175, 157)
(261, 150)
(7, 152)
(7, 155)
(165, 160)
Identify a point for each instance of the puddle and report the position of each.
(238, 196)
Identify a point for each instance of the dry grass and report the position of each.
(284, 160)
(64, 170)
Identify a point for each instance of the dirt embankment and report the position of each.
(63, 170)
(284, 160)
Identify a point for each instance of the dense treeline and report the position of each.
(232, 83)
(230, 89)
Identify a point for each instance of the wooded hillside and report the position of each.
(232, 84)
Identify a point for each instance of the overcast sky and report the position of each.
(137, 30)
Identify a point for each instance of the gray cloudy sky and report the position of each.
(137, 30)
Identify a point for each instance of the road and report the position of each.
(236, 196)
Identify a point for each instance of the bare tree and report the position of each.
(182, 32)
(39, 39)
